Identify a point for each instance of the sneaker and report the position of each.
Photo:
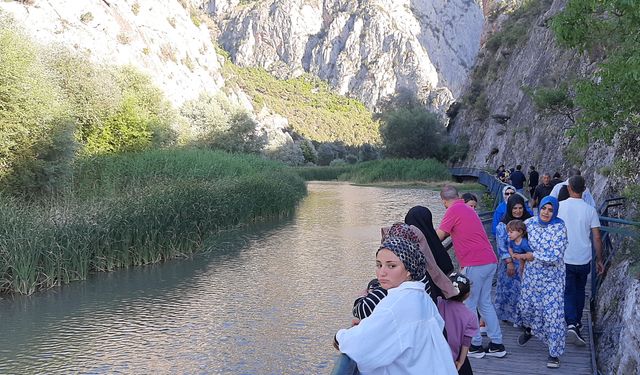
(524, 337)
(476, 351)
(496, 350)
(574, 337)
(553, 362)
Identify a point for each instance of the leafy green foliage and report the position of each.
(54, 105)
(412, 133)
(609, 28)
(313, 110)
(30, 104)
(553, 101)
(216, 123)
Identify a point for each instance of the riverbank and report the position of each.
(380, 171)
(134, 209)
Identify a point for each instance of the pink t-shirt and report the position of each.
(470, 242)
(461, 324)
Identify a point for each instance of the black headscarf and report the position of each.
(421, 217)
(511, 202)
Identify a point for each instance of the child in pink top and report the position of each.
(459, 323)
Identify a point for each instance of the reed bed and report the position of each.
(136, 209)
(385, 170)
(322, 173)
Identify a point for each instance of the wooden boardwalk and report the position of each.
(532, 358)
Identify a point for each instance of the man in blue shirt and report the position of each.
(517, 179)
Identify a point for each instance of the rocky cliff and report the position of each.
(500, 118)
(370, 50)
(160, 37)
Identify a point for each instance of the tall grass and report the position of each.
(386, 170)
(322, 173)
(136, 209)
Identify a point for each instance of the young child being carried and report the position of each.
(460, 323)
(518, 242)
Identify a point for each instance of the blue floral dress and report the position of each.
(507, 287)
(541, 305)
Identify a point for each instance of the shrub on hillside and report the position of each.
(412, 133)
(216, 123)
(30, 104)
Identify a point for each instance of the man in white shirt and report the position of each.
(581, 220)
(586, 195)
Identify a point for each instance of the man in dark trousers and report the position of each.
(534, 176)
(517, 179)
(583, 233)
(541, 190)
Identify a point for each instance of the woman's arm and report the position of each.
(437, 276)
(502, 241)
(363, 306)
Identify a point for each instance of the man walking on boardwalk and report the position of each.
(478, 262)
(581, 220)
(586, 195)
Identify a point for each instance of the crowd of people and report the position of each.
(419, 315)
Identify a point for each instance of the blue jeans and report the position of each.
(574, 294)
(481, 278)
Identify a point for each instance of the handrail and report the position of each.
(610, 237)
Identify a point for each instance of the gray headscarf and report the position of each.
(409, 253)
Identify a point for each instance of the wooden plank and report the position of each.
(531, 359)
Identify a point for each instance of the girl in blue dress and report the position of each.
(541, 305)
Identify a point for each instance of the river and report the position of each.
(264, 300)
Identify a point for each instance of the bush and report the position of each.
(30, 104)
(216, 123)
(412, 133)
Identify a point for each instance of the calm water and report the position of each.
(262, 301)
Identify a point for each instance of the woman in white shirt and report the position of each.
(403, 335)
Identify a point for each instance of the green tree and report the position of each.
(30, 104)
(412, 133)
(608, 30)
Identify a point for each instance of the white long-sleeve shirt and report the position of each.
(402, 336)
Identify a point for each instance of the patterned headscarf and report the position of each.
(402, 230)
(409, 253)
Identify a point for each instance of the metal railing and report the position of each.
(613, 232)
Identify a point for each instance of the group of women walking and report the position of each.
(531, 295)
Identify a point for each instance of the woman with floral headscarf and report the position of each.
(436, 282)
(508, 283)
(403, 335)
(541, 305)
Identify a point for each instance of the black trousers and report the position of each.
(466, 368)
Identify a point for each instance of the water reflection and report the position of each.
(263, 301)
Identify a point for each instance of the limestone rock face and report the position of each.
(365, 49)
(156, 36)
(618, 321)
(513, 131)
